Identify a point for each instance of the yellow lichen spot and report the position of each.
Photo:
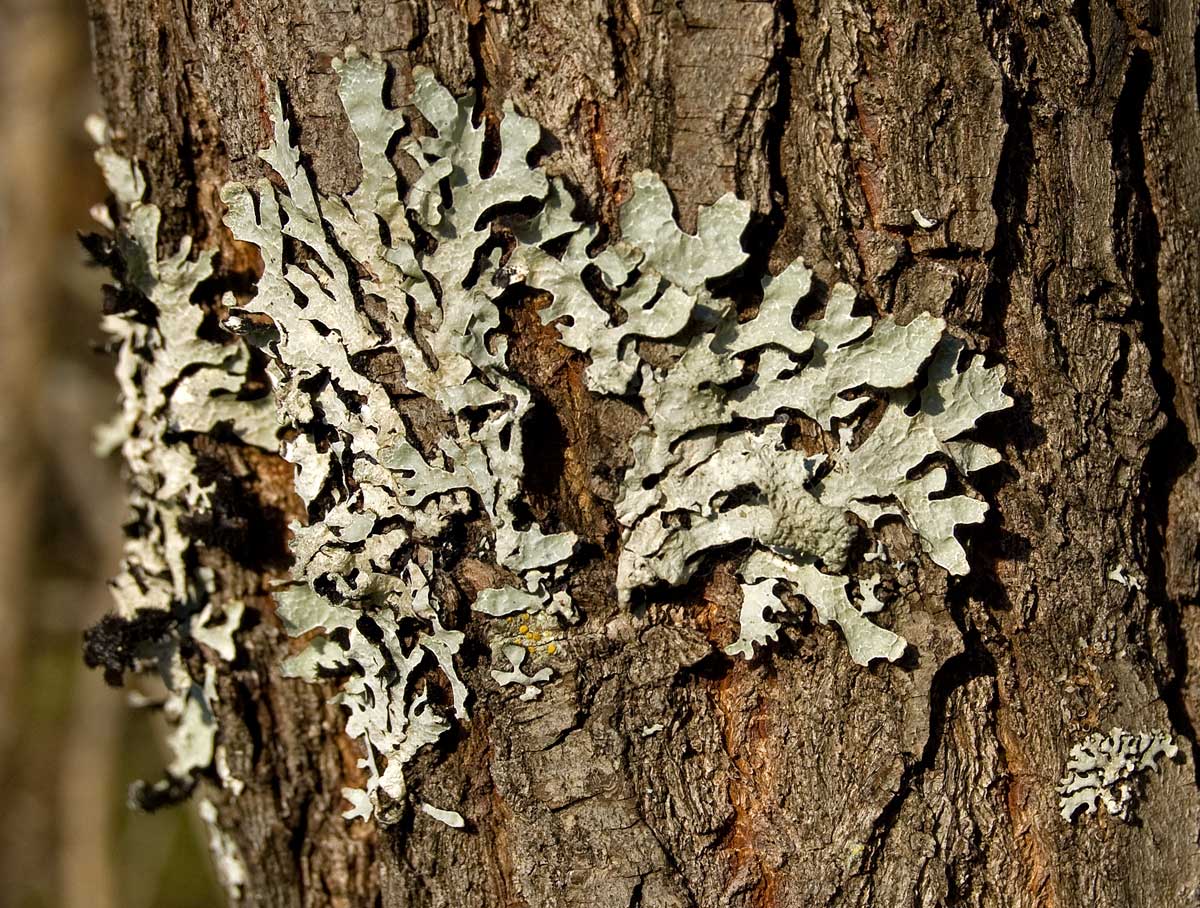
(551, 649)
(523, 629)
(535, 635)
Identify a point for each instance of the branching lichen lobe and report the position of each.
(379, 499)
(1105, 769)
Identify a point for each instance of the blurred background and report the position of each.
(69, 746)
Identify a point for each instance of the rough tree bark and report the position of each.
(1058, 148)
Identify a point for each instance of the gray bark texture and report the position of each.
(1057, 145)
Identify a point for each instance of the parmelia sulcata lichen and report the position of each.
(711, 466)
(175, 384)
(1106, 769)
(420, 276)
(379, 495)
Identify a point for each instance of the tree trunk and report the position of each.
(1057, 151)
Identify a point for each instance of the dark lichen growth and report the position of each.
(166, 792)
(114, 643)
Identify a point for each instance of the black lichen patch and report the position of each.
(114, 643)
(166, 792)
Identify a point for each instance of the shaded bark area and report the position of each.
(1056, 147)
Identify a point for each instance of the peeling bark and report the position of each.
(1056, 149)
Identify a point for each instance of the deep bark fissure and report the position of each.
(1170, 452)
(954, 674)
(778, 122)
(1014, 170)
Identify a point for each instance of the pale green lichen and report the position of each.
(1106, 769)
(227, 857)
(375, 499)
(174, 383)
(451, 818)
(710, 468)
(216, 631)
(758, 603)
(394, 726)
(1130, 581)
(516, 658)
(696, 484)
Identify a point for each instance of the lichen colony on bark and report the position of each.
(175, 382)
(710, 468)
(659, 714)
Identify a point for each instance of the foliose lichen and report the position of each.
(377, 495)
(420, 277)
(175, 383)
(1106, 769)
(711, 466)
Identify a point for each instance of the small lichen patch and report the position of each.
(227, 857)
(516, 654)
(1105, 769)
(216, 632)
(758, 603)
(1129, 581)
(451, 818)
(381, 712)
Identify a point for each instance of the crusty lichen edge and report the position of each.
(378, 497)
